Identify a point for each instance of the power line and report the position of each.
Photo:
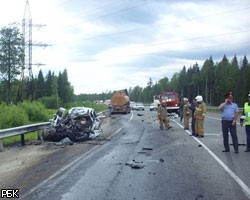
(109, 14)
(205, 47)
(100, 7)
(198, 38)
(63, 3)
(164, 24)
(27, 26)
(184, 40)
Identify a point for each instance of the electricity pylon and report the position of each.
(27, 46)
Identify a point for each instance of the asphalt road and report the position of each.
(141, 162)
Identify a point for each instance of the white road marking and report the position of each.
(243, 186)
(65, 167)
(219, 119)
(216, 134)
(132, 115)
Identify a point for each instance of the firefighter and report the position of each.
(192, 108)
(163, 115)
(246, 118)
(186, 113)
(199, 115)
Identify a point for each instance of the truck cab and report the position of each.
(120, 102)
(172, 100)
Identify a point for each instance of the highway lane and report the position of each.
(140, 161)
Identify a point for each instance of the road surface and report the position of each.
(138, 161)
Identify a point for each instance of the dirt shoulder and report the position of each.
(16, 159)
(23, 167)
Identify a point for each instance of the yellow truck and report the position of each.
(120, 102)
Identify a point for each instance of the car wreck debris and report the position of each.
(79, 124)
(135, 165)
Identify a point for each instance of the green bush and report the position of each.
(88, 104)
(35, 110)
(12, 116)
(97, 107)
(51, 102)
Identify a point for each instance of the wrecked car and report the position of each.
(79, 124)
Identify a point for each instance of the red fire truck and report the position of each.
(172, 100)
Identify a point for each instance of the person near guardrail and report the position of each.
(163, 115)
(199, 114)
(186, 113)
(229, 114)
(245, 117)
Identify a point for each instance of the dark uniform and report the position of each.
(192, 108)
(229, 115)
(186, 113)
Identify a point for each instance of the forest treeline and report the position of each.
(211, 80)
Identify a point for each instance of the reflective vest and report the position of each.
(247, 113)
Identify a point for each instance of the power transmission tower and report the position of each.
(27, 46)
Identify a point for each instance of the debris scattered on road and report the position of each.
(146, 148)
(200, 196)
(142, 152)
(199, 145)
(240, 144)
(65, 141)
(139, 114)
(135, 165)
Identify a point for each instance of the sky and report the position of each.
(108, 45)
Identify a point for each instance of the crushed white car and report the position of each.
(79, 124)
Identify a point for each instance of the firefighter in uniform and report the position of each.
(246, 117)
(163, 115)
(186, 113)
(199, 115)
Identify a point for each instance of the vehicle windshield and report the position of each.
(171, 96)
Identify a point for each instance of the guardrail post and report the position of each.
(22, 140)
(39, 135)
(1, 145)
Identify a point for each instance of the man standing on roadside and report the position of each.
(246, 117)
(229, 114)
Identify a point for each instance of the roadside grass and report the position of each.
(33, 135)
(17, 139)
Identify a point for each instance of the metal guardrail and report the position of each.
(21, 130)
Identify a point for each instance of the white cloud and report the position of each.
(105, 47)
